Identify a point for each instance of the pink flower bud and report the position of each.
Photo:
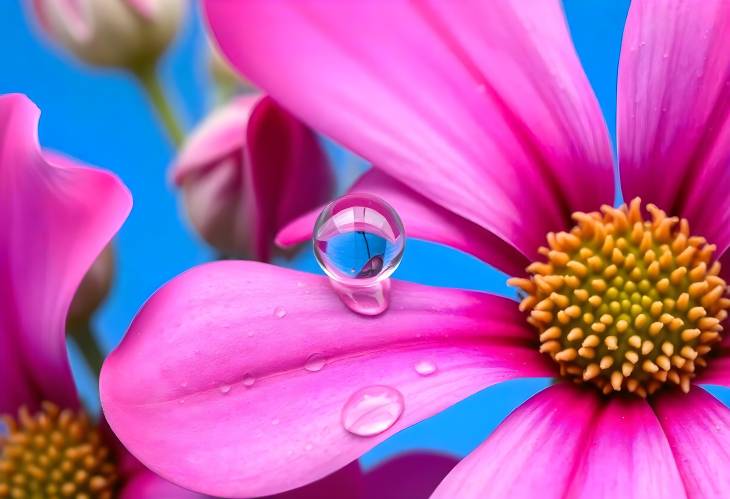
(248, 170)
(118, 33)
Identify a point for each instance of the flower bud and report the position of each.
(94, 287)
(248, 170)
(117, 33)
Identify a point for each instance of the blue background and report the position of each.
(103, 118)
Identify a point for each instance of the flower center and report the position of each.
(624, 302)
(54, 453)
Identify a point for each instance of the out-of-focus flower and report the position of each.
(118, 33)
(94, 287)
(55, 219)
(247, 171)
(486, 135)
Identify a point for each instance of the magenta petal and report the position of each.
(55, 219)
(627, 455)
(423, 219)
(535, 449)
(233, 377)
(414, 476)
(147, 485)
(345, 482)
(697, 426)
(480, 106)
(674, 111)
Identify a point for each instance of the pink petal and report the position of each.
(215, 385)
(54, 221)
(249, 169)
(423, 219)
(674, 111)
(345, 482)
(147, 485)
(480, 106)
(698, 429)
(412, 476)
(535, 449)
(627, 455)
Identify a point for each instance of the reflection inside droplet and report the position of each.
(372, 410)
(359, 239)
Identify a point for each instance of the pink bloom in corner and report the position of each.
(487, 137)
(246, 172)
(56, 216)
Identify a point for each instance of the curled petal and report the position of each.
(55, 218)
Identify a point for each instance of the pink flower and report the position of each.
(246, 172)
(56, 216)
(486, 137)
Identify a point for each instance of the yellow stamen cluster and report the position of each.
(54, 454)
(626, 303)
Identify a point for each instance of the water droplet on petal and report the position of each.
(372, 410)
(248, 380)
(315, 362)
(308, 447)
(275, 421)
(359, 239)
(279, 312)
(225, 389)
(425, 367)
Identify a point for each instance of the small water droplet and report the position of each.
(184, 384)
(279, 312)
(248, 380)
(372, 410)
(315, 362)
(359, 239)
(275, 421)
(300, 284)
(225, 389)
(425, 368)
(308, 447)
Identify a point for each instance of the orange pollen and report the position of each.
(54, 453)
(626, 303)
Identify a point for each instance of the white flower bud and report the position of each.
(116, 33)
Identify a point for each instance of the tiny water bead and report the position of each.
(425, 367)
(315, 362)
(372, 410)
(359, 239)
(279, 312)
(627, 303)
(55, 453)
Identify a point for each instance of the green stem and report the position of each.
(149, 79)
(83, 335)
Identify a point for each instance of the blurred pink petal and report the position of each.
(423, 219)
(674, 111)
(345, 482)
(55, 218)
(413, 475)
(145, 8)
(249, 169)
(480, 106)
(147, 485)
(254, 363)
(697, 426)
(73, 14)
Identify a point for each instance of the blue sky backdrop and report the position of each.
(103, 118)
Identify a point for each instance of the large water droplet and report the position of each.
(279, 312)
(315, 362)
(248, 380)
(425, 367)
(372, 410)
(359, 239)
